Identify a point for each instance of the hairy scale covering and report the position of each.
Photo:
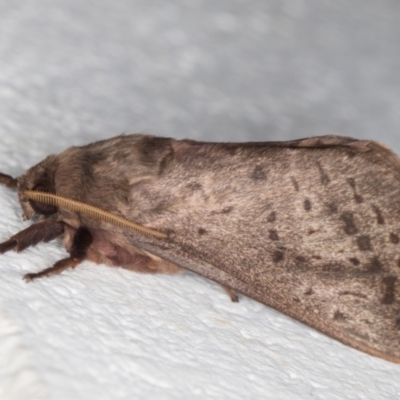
(309, 227)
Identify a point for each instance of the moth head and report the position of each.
(39, 178)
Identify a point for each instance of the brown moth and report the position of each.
(309, 227)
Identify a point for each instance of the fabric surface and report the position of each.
(72, 72)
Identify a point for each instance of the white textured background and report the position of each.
(74, 71)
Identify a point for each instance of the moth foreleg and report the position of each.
(8, 180)
(41, 232)
(80, 245)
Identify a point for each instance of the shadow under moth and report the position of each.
(309, 227)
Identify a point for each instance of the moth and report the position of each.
(309, 227)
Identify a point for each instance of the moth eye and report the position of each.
(40, 208)
(44, 209)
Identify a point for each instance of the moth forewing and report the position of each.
(309, 227)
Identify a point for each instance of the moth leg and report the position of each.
(57, 268)
(231, 293)
(80, 245)
(41, 232)
(8, 180)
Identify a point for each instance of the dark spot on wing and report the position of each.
(374, 265)
(169, 232)
(364, 243)
(379, 218)
(354, 294)
(311, 231)
(349, 224)
(332, 208)
(88, 161)
(259, 173)
(273, 234)
(271, 217)
(351, 182)
(295, 184)
(152, 149)
(202, 231)
(307, 205)
(325, 180)
(230, 148)
(358, 198)
(309, 292)
(301, 263)
(317, 257)
(195, 186)
(339, 316)
(225, 210)
(296, 299)
(354, 261)
(164, 162)
(149, 144)
(350, 152)
(334, 268)
(390, 283)
(394, 238)
(277, 256)
(397, 321)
